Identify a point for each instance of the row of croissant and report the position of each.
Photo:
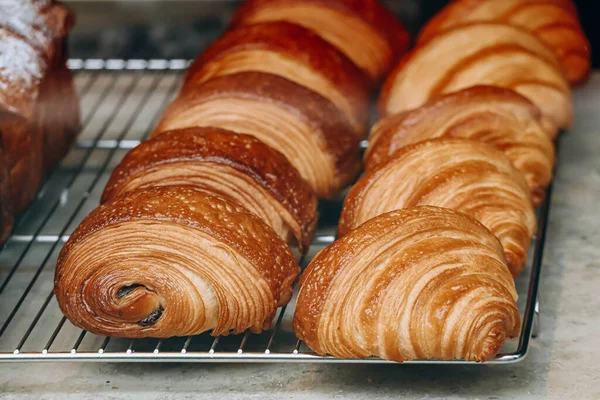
(194, 228)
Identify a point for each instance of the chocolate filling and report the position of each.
(152, 318)
(125, 290)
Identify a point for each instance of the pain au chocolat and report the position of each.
(292, 52)
(481, 53)
(464, 175)
(173, 261)
(555, 22)
(496, 116)
(314, 135)
(238, 167)
(364, 30)
(418, 283)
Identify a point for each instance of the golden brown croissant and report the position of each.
(238, 167)
(481, 54)
(292, 52)
(309, 130)
(173, 261)
(364, 30)
(499, 117)
(419, 283)
(555, 22)
(464, 175)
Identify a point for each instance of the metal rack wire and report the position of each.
(121, 101)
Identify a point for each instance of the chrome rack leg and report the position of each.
(536, 318)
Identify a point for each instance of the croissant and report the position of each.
(364, 30)
(481, 54)
(292, 52)
(173, 261)
(309, 130)
(499, 117)
(238, 167)
(418, 283)
(555, 22)
(464, 175)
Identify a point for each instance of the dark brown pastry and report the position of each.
(292, 52)
(238, 167)
(173, 261)
(57, 114)
(364, 30)
(32, 63)
(555, 22)
(308, 129)
(418, 283)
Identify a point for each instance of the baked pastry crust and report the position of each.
(236, 166)
(464, 175)
(33, 75)
(173, 261)
(499, 117)
(555, 22)
(308, 129)
(292, 52)
(418, 283)
(481, 53)
(364, 30)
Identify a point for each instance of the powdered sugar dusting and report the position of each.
(25, 18)
(21, 70)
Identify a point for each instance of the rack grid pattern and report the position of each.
(121, 101)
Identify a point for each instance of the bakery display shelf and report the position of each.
(121, 101)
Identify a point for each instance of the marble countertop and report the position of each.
(563, 362)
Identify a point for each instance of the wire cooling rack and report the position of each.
(121, 101)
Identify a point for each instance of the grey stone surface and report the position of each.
(563, 362)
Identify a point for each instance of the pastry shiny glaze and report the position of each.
(497, 116)
(308, 129)
(481, 54)
(419, 283)
(464, 175)
(364, 30)
(555, 22)
(292, 52)
(236, 166)
(173, 261)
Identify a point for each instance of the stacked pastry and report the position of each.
(39, 114)
(195, 223)
(444, 214)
